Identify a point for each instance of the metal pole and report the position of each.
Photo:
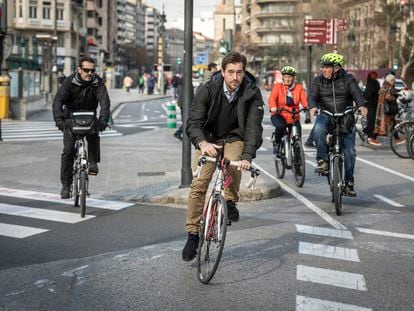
(186, 174)
(309, 65)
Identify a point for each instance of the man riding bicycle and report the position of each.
(81, 91)
(227, 113)
(333, 91)
(285, 97)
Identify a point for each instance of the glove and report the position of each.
(102, 124)
(60, 124)
(307, 121)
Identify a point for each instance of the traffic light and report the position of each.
(223, 49)
(178, 61)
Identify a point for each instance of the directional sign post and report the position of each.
(314, 31)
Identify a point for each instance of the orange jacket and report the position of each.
(277, 99)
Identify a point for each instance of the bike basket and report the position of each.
(83, 122)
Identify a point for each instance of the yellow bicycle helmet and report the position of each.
(288, 70)
(333, 59)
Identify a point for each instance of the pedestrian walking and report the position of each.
(371, 94)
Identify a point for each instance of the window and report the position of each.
(59, 14)
(20, 11)
(46, 12)
(32, 11)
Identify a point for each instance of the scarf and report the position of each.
(289, 95)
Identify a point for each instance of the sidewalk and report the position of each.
(142, 167)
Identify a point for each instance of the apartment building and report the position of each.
(152, 22)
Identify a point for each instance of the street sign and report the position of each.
(314, 31)
(341, 24)
(201, 58)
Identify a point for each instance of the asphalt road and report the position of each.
(287, 253)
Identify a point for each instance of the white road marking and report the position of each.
(262, 149)
(328, 251)
(55, 198)
(44, 214)
(19, 232)
(331, 277)
(386, 169)
(389, 201)
(312, 304)
(387, 233)
(325, 216)
(343, 234)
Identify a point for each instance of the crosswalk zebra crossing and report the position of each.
(37, 131)
(336, 278)
(8, 229)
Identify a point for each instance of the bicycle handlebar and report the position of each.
(294, 111)
(254, 172)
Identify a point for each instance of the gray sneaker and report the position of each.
(322, 166)
(349, 190)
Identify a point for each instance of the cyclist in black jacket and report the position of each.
(334, 90)
(81, 91)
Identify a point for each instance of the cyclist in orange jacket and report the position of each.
(286, 95)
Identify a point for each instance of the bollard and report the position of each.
(171, 115)
(4, 96)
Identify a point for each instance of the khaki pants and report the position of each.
(199, 186)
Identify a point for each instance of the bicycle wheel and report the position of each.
(299, 165)
(280, 162)
(337, 185)
(401, 132)
(75, 189)
(82, 183)
(213, 230)
(410, 146)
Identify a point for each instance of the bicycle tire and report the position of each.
(403, 130)
(299, 165)
(279, 163)
(410, 146)
(75, 190)
(337, 185)
(212, 239)
(82, 182)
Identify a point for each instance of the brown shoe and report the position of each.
(399, 141)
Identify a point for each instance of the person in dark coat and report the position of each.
(81, 91)
(371, 96)
(227, 112)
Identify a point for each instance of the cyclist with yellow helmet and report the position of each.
(286, 96)
(333, 91)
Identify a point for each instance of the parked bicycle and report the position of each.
(214, 222)
(336, 157)
(289, 153)
(399, 138)
(81, 124)
(410, 145)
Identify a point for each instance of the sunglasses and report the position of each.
(87, 70)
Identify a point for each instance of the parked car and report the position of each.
(399, 84)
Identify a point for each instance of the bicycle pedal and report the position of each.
(228, 222)
(92, 173)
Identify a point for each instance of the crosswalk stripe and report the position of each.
(335, 233)
(38, 130)
(19, 232)
(312, 304)
(328, 251)
(331, 277)
(38, 213)
(50, 197)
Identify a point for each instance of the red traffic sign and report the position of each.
(341, 24)
(314, 31)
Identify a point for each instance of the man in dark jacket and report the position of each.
(81, 91)
(333, 91)
(227, 113)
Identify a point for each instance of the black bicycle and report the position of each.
(335, 174)
(213, 225)
(290, 152)
(81, 124)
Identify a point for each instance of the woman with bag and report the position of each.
(387, 108)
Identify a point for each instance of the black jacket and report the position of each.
(334, 95)
(76, 95)
(371, 93)
(249, 113)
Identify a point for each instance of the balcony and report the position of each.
(275, 1)
(277, 14)
(274, 29)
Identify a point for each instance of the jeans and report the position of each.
(321, 130)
